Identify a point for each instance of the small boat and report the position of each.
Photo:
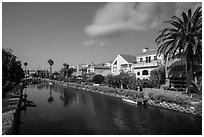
(129, 101)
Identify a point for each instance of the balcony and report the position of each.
(151, 63)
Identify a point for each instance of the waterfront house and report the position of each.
(145, 62)
(122, 63)
(99, 69)
(81, 69)
(176, 71)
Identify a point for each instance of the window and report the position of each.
(149, 58)
(155, 57)
(145, 72)
(146, 59)
(138, 73)
(141, 59)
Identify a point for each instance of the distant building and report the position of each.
(81, 69)
(147, 61)
(123, 63)
(99, 69)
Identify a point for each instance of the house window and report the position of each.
(145, 72)
(155, 57)
(138, 73)
(141, 59)
(149, 58)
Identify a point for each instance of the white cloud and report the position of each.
(123, 16)
(95, 43)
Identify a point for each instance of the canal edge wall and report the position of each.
(163, 104)
(10, 118)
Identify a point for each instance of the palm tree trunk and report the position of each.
(166, 72)
(189, 70)
(50, 71)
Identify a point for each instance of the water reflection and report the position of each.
(79, 112)
(50, 99)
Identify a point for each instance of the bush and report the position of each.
(168, 98)
(157, 77)
(98, 79)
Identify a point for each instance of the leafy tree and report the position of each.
(108, 80)
(11, 67)
(157, 76)
(184, 35)
(98, 79)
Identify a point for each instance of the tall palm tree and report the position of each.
(66, 70)
(50, 62)
(184, 35)
(25, 64)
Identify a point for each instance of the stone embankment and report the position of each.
(11, 110)
(178, 103)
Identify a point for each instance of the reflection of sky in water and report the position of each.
(118, 119)
(79, 112)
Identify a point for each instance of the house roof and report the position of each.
(129, 58)
(101, 66)
(149, 52)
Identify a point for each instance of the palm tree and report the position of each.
(25, 64)
(184, 36)
(50, 62)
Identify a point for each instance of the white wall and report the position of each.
(141, 70)
(120, 60)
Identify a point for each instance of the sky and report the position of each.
(82, 32)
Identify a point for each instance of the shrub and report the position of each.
(98, 79)
(157, 77)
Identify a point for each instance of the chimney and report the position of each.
(145, 50)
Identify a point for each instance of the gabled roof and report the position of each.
(149, 52)
(129, 58)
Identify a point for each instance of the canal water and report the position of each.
(67, 111)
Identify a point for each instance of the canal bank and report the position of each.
(11, 103)
(167, 100)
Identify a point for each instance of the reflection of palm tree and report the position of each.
(50, 99)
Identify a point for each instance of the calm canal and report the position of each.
(64, 110)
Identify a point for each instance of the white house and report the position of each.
(147, 61)
(122, 63)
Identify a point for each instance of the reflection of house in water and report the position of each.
(69, 98)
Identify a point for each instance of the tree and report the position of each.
(184, 35)
(50, 62)
(11, 67)
(25, 64)
(157, 76)
(98, 79)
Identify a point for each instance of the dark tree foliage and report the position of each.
(11, 67)
(157, 77)
(98, 79)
